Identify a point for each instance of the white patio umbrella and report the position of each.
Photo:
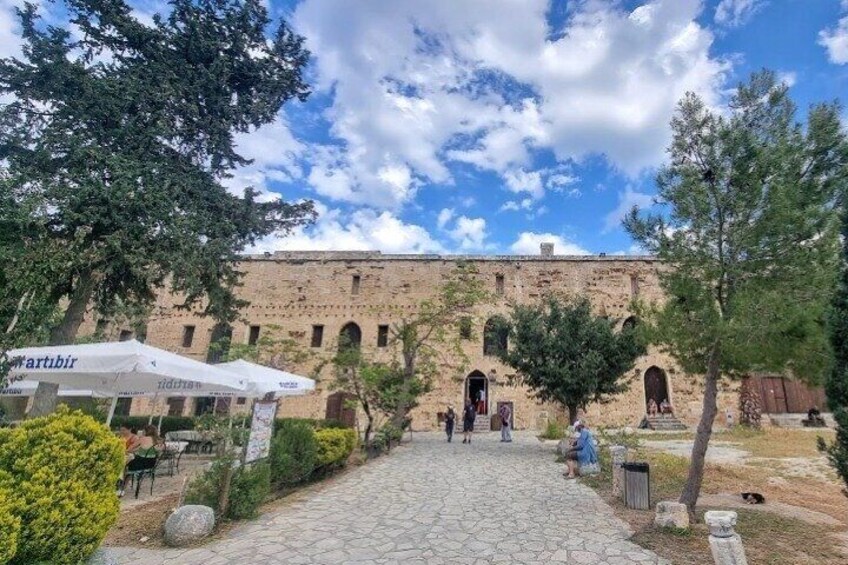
(125, 368)
(263, 380)
(26, 388)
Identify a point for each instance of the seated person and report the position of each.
(582, 451)
(143, 454)
(130, 438)
(665, 407)
(814, 417)
(652, 407)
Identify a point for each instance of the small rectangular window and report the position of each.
(382, 336)
(126, 335)
(122, 407)
(354, 289)
(499, 285)
(634, 286)
(188, 335)
(317, 335)
(253, 335)
(241, 400)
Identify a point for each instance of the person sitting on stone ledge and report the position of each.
(665, 407)
(814, 418)
(582, 452)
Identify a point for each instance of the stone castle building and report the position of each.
(306, 300)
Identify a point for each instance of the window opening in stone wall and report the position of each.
(354, 289)
(126, 335)
(188, 336)
(176, 405)
(499, 285)
(350, 337)
(253, 336)
(495, 336)
(241, 400)
(204, 405)
(382, 336)
(122, 407)
(219, 344)
(317, 335)
(634, 286)
(465, 327)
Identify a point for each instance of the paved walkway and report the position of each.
(434, 503)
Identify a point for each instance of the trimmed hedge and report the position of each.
(313, 423)
(335, 446)
(10, 523)
(62, 469)
(294, 452)
(169, 423)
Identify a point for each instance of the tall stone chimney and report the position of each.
(547, 249)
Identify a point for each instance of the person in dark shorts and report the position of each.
(450, 420)
(468, 417)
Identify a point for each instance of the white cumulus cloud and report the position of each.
(528, 243)
(835, 41)
(734, 13)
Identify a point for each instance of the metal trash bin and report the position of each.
(637, 486)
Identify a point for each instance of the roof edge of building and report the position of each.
(377, 255)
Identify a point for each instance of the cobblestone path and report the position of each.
(434, 503)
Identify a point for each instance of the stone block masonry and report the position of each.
(306, 299)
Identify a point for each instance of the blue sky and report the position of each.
(490, 126)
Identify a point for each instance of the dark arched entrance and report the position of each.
(350, 336)
(477, 389)
(656, 386)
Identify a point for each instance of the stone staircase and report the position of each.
(666, 423)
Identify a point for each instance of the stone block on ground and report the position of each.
(671, 514)
(725, 543)
(102, 557)
(189, 524)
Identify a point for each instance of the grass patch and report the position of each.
(553, 431)
(767, 442)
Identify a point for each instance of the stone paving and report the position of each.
(431, 502)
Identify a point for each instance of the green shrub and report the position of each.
(250, 487)
(10, 523)
(63, 469)
(313, 423)
(294, 452)
(335, 446)
(553, 431)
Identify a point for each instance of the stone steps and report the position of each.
(665, 423)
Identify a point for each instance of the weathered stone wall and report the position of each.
(290, 292)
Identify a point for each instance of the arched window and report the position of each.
(350, 336)
(495, 336)
(630, 323)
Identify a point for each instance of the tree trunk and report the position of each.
(692, 489)
(572, 414)
(402, 407)
(44, 401)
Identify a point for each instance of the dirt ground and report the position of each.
(804, 519)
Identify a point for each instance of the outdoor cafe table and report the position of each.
(197, 441)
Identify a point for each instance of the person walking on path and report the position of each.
(582, 452)
(468, 417)
(450, 420)
(506, 415)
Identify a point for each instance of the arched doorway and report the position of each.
(656, 386)
(630, 323)
(477, 389)
(350, 336)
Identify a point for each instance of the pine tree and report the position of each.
(836, 386)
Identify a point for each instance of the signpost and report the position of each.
(261, 430)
